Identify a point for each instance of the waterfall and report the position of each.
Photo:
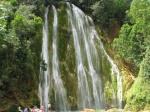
(60, 92)
(44, 76)
(87, 45)
(83, 88)
(81, 31)
(114, 68)
(84, 36)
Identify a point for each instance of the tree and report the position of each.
(132, 41)
(17, 59)
(106, 11)
(146, 63)
(128, 45)
(23, 28)
(133, 46)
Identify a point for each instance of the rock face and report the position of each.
(88, 110)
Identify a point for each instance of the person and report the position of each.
(42, 108)
(26, 110)
(43, 65)
(49, 106)
(106, 108)
(19, 109)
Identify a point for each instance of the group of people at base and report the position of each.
(35, 109)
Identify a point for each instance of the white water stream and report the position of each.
(60, 92)
(44, 76)
(114, 68)
(82, 40)
(84, 33)
(90, 92)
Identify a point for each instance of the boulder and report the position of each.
(88, 110)
(113, 110)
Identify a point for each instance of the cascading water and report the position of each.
(87, 44)
(59, 90)
(83, 89)
(114, 68)
(82, 35)
(44, 84)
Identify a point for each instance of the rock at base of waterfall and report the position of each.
(113, 110)
(88, 110)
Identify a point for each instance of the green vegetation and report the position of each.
(105, 12)
(139, 97)
(13, 108)
(20, 48)
(133, 46)
(134, 33)
(146, 63)
(19, 54)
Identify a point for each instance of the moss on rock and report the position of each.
(139, 97)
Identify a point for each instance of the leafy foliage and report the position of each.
(20, 29)
(13, 108)
(132, 41)
(106, 11)
(20, 44)
(14, 2)
(133, 46)
(139, 97)
(146, 63)
(128, 45)
(5, 9)
(23, 27)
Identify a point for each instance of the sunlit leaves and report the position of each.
(37, 22)
(132, 43)
(25, 10)
(22, 26)
(18, 27)
(5, 9)
(25, 22)
(138, 97)
(146, 64)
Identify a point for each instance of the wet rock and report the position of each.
(88, 110)
(113, 110)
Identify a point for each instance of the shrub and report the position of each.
(13, 108)
(14, 2)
